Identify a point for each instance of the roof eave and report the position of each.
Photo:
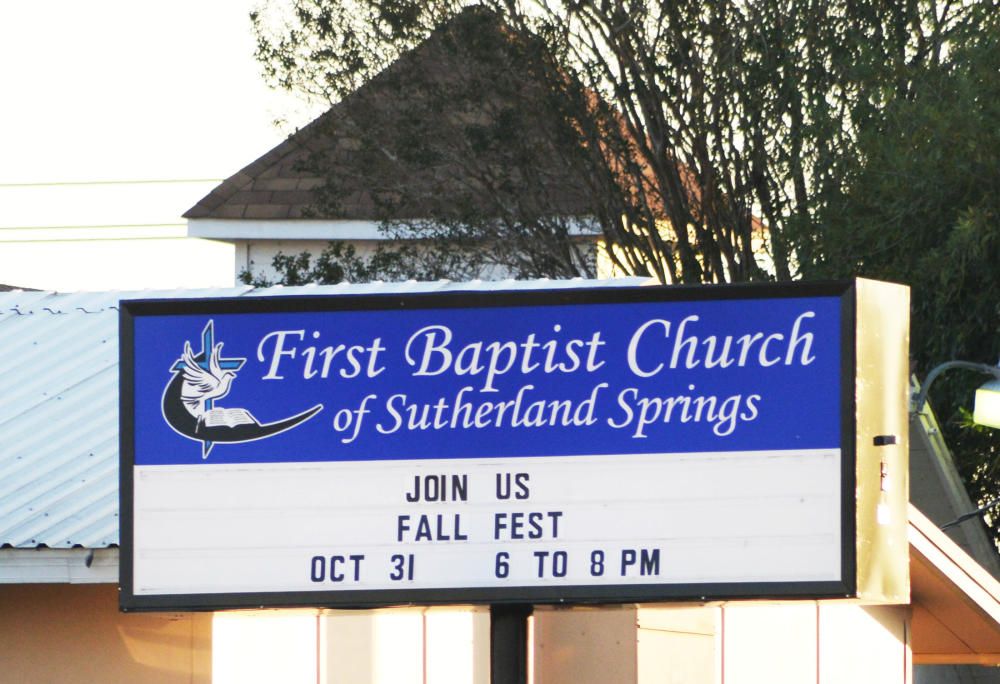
(236, 230)
(59, 566)
(956, 602)
(284, 229)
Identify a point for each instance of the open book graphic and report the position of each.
(218, 417)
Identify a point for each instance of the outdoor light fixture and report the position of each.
(986, 409)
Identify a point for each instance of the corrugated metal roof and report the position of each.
(59, 402)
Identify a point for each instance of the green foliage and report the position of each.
(921, 205)
(389, 262)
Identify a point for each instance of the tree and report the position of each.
(920, 205)
(705, 136)
(717, 141)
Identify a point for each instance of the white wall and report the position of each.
(257, 256)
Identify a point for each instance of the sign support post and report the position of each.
(509, 643)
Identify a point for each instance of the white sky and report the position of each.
(133, 90)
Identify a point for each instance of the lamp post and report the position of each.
(986, 409)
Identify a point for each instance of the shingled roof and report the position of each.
(272, 187)
(334, 169)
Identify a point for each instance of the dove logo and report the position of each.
(199, 380)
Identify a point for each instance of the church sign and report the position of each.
(543, 446)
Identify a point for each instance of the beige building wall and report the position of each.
(679, 644)
(74, 633)
(445, 645)
(584, 645)
(793, 642)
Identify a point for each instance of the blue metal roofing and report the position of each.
(59, 403)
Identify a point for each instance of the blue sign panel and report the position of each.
(358, 384)
(614, 444)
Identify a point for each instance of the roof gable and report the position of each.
(397, 149)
